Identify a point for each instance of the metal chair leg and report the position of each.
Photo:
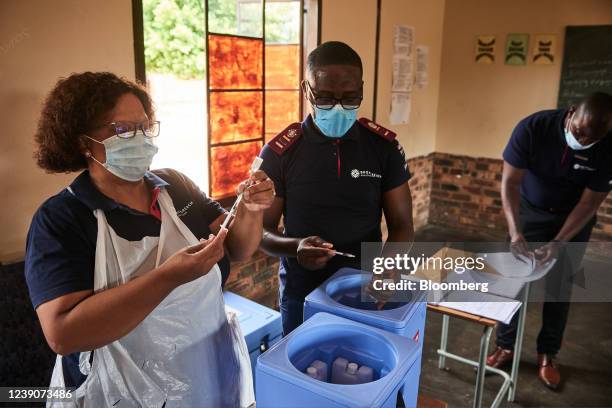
(518, 344)
(482, 362)
(443, 341)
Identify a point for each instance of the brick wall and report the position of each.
(420, 186)
(256, 279)
(465, 194)
(603, 228)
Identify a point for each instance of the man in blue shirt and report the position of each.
(557, 172)
(334, 176)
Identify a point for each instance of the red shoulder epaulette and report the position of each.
(285, 139)
(386, 134)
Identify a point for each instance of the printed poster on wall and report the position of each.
(422, 61)
(402, 76)
(544, 49)
(517, 46)
(400, 108)
(485, 49)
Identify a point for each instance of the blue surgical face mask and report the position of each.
(335, 122)
(572, 142)
(128, 158)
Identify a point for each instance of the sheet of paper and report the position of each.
(400, 108)
(482, 304)
(497, 285)
(402, 75)
(516, 49)
(484, 52)
(422, 63)
(509, 267)
(544, 50)
(495, 310)
(403, 39)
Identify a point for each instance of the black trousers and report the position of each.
(541, 226)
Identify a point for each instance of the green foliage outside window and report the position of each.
(174, 30)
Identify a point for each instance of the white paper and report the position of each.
(400, 108)
(488, 306)
(526, 270)
(496, 285)
(402, 75)
(403, 39)
(422, 62)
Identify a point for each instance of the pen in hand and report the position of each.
(344, 254)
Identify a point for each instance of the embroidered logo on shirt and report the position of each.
(581, 167)
(183, 211)
(364, 173)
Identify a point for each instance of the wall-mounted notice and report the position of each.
(402, 74)
(516, 49)
(400, 108)
(484, 52)
(544, 49)
(401, 82)
(422, 62)
(403, 40)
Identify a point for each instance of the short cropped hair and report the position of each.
(599, 104)
(75, 106)
(333, 53)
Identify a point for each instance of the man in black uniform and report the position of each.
(333, 176)
(557, 172)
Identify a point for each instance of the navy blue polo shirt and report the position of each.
(333, 188)
(556, 175)
(61, 243)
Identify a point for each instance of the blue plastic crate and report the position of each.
(260, 325)
(281, 381)
(341, 295)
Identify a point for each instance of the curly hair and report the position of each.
(76, 105)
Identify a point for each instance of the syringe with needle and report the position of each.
(254, 167)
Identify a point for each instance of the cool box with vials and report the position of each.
(283, 378)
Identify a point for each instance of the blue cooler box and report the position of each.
(260, 325)
(281, 380)
(341, 295)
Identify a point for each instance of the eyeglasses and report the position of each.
(127, 130)
(327, 103)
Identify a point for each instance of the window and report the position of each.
(223, 82)
(254, 71)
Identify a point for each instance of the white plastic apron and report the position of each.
(185, 353)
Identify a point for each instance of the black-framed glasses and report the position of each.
(327, 103)
(127, 130)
